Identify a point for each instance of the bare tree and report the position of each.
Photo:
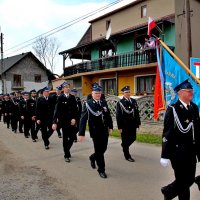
(46, 50)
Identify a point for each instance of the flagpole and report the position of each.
(179, 61)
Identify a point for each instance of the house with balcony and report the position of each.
(121, 58)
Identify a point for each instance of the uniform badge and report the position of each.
(181, 106)
(164, 139)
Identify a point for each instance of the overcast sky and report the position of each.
(22, 20)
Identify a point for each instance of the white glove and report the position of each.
(164, 162)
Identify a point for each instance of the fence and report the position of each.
(145, 104)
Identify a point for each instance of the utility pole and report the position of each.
(188, 31)
(2, 77)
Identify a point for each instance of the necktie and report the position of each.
(188, 107)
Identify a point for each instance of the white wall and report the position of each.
(28, 85)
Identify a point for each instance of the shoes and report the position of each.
(67, 160)
(92, 163)
(102, 174)
(75, 141)
(60, 136)
(46, 147)
(130, 159)
(164, 192)
(197, 181)
(36, 137)
(26, 136)
(34, 141)
(21, 131)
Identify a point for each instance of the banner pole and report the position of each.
(179, 61)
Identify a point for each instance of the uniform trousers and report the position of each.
(21, 124)
(7, 120)
(58, 129)
(100, 142)
(47, 131)
(37, 128)
(29, 125)
(14, 120)
(128, 136)
(184, 166)
(68, 138)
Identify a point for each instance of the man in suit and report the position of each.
(55, 97)
(66, 113)
(37, 127)
(97, 113)
(44, 115)
(14, 111)
(128, 120)
(21, 122)
(79, 107)
(181, 142)
(7, 109)
(27, 108)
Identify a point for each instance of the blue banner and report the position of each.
(173, 75)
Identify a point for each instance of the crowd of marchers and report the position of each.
(30, 112)
(63, 112)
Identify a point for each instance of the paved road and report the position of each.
(141, 180)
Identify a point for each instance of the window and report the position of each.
(143, 11)
(145, 84)
(17, 80)
(37, 78)
(107, 51)
(109, 86)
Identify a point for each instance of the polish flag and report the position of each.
(151, 24)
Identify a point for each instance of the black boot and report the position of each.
(164, 192)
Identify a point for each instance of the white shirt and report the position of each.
(185, 105)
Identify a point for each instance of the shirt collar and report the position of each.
(185, 105)
(66, 94)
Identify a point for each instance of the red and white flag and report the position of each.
(151, 24)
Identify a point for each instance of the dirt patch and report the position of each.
(19, 182)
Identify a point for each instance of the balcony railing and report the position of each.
(122, 60)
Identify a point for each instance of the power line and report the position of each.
(62, 27)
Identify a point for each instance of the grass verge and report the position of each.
(143, 137)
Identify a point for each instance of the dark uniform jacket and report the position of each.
(27, 108)
(98, 124)
(175, 143)
(15, 106)
(124, 119)
(45, 109)
(7, 106)
(66, 109)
